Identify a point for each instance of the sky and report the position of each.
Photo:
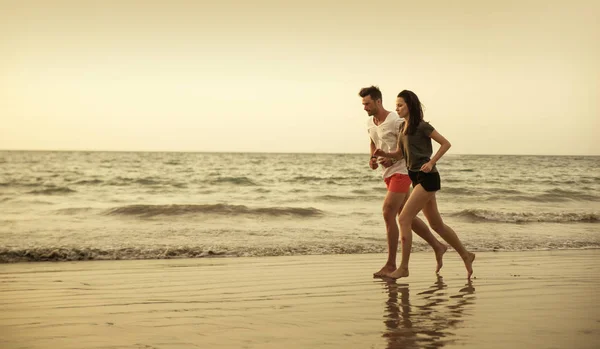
(495, 77)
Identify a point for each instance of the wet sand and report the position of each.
(545, 299)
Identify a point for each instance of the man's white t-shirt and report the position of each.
(385, 137)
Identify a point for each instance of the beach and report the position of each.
(226, 175)
(538, 299)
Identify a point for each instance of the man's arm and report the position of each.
(373, 161)
(373, 147)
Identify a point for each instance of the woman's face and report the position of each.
(402, 108)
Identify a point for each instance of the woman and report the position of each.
(414, 144)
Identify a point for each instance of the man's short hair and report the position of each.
(372, 91)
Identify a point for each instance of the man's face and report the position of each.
(370, 106)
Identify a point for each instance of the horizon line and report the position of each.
(254, 152)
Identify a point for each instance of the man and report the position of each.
(383, 127)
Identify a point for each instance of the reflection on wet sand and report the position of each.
(426, 321)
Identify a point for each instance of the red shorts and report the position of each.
(398, 183)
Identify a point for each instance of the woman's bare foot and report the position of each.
(385, 271)
(439, 255)
(470, 257)
(399, 273)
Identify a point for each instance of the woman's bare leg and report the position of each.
(435, 221)
(392, 230)
(415, 203)
(421, 229)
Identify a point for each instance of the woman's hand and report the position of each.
(427, 167)
(379, 152)
(386, 162)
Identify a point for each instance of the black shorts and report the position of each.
(430, 181)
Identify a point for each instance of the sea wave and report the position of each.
(89, 181)
(335, 180)
(129, 253)
(504, 194)
(557, 196)
(489, 192)
(19, 184)
(241, 181)
(74, 210)
(53, 191)
(461, 191)
(125, 181)
(479, 215)
(219, 209)
(40, 254)
(309, 179)
(342, 198)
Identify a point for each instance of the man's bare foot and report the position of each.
(439, 255)
(399, 273)
(469, 263)
(385, 271)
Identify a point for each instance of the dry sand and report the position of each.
(517, 300)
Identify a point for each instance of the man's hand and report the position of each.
(373, 163)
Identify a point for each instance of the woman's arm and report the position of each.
(444, 146)
(396, 155)
(393, 155)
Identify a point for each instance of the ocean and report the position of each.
(67, 206)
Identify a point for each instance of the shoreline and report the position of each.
(223, 255)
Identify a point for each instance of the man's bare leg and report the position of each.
(391, 206)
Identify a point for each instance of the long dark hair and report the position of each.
(415, 110)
